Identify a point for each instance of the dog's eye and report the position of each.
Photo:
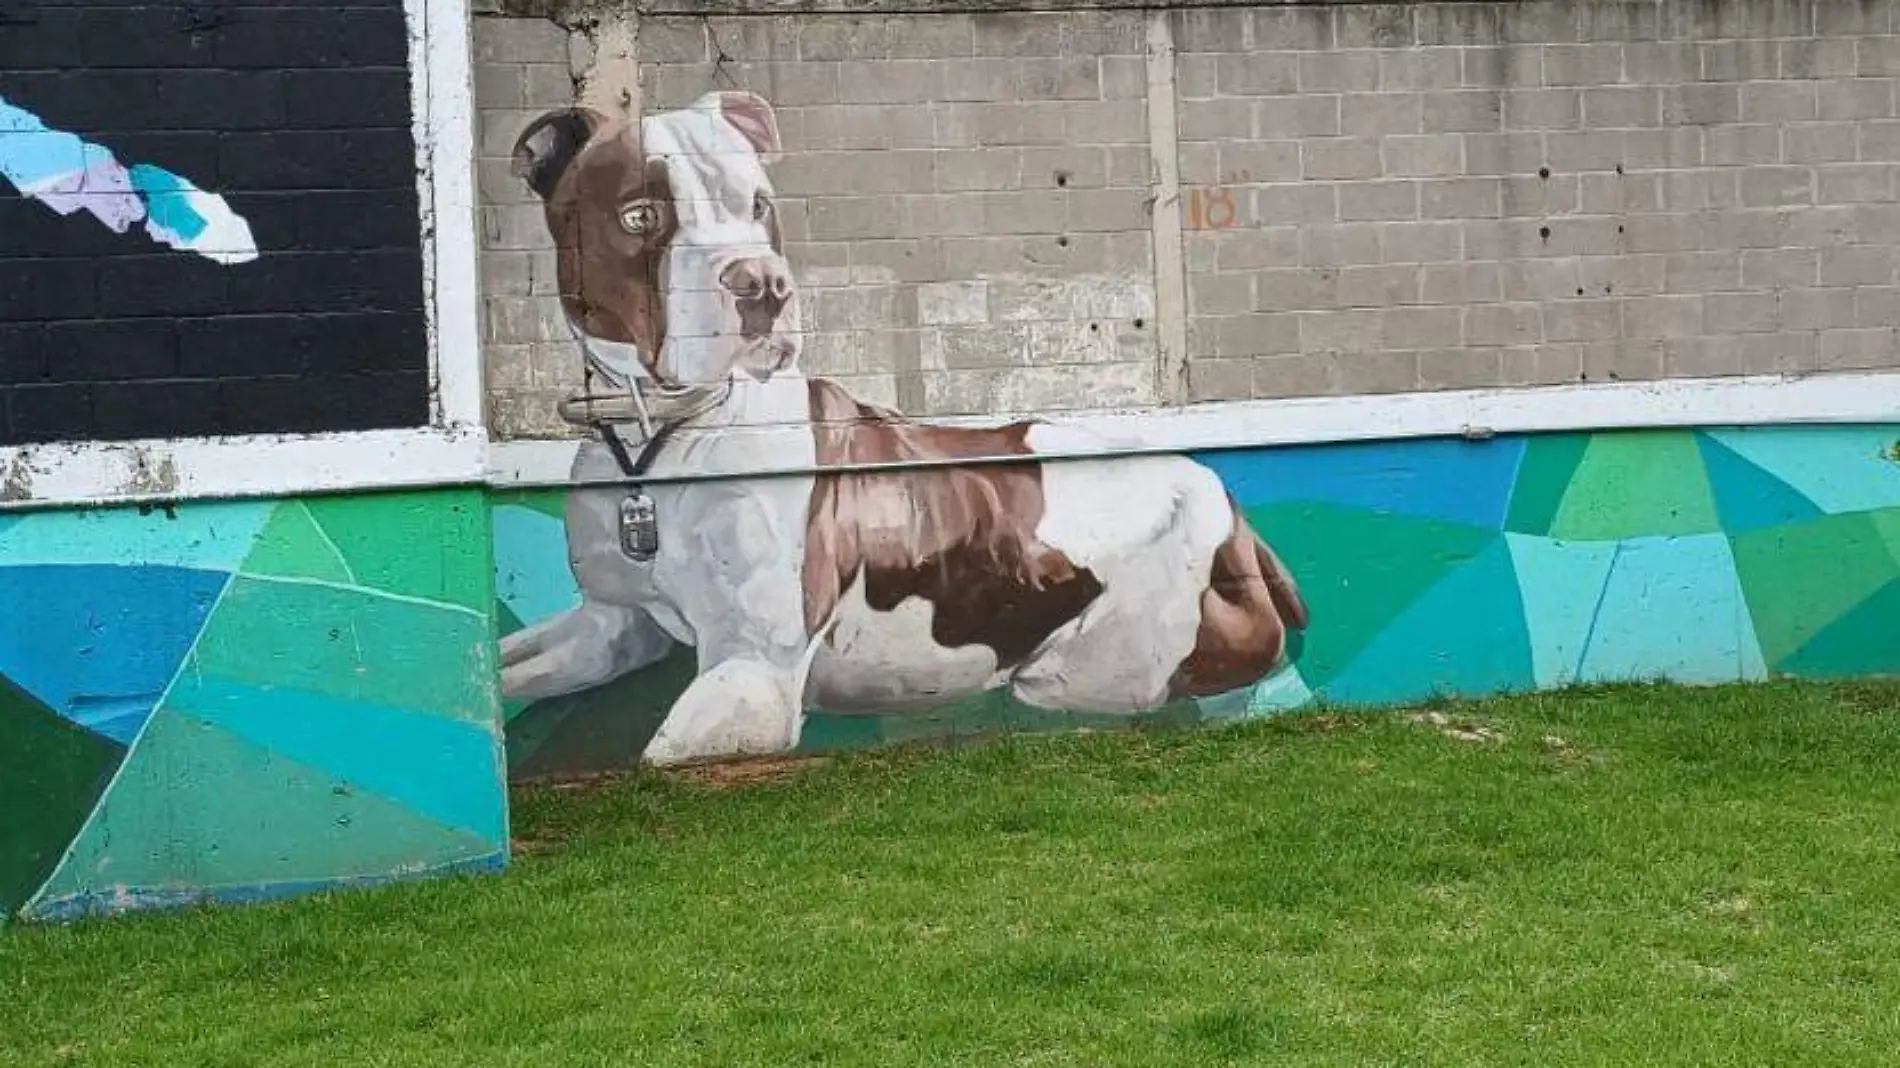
(640, 217)
(761, 208)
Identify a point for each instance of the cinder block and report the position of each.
(1740, 313)
(1461, 198)
(1339, 72)
(1297, 28)
(1296, 289)
(1458, 368)
(1777, 186)
(1422, 242)
(1428, 155)
(1379, 287)
(1378, 200)
(512, 40)
(1779, 102)
(1740, 61)
(1250, 250)
(1855, 182)
(1461, 111)
(1413, 70)
(1822, 58)
(1342, 331)
(1299, 204)
(1662, 317)
(1584, 65)
(1379, 114)
(1857, 265)
(1220, 294)
(1422, 328)
(1818, 142)
(1300, 375)
(1856, 98)
(1061, 78)
(1582, 320)
(1542, 109)
(1298, 116)
(1622, 107)
(1250, 162)
(1257, 74)
(1377, 26)
(1503, 324)
(1257, 335)
(1386, 371)
(1341, 157)
(1341, 245)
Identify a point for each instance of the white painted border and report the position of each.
(1751, 401)
(449, 451)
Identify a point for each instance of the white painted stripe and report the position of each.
(264, 466)
(443, 123)
(367, 591)
(1750, 401)
(286, 465)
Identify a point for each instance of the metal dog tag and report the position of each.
(639, 527)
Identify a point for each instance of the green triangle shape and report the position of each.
(199, 809)
(1860, 642)
(1542, 477)
(1358, 571)
(1887, 522)
(291, 545)
(1799, 578)
(432, 545)
(1632, 484)
(51, 774)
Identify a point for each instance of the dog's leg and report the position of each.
(754, 650)
(591, 645)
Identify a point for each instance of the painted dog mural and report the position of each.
(1105, 586)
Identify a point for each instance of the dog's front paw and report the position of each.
(739, 708)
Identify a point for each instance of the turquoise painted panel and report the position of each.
(1560, 588)
(532, 574)
(1672, 608)
(199, 537)
(1839, 469)
(326, 724)
(418, 760)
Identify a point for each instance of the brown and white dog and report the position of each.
(1104, 585)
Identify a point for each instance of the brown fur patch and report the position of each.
(961, 537)
(1249, 604)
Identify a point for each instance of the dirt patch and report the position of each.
(1459, 728)
(727, 774)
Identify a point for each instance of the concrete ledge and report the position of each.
(567, 11)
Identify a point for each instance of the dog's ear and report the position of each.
(548, 146)
(752, 116)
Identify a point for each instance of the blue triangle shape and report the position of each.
(99, 644)
(1747, 497)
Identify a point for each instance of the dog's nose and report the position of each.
(762, 288)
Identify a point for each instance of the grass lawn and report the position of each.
(1625, 876)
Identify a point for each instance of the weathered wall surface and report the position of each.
(210, 220)
(1429, 568)
(1375, 197)
(236, 701)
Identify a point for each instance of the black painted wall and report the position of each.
(297, 113)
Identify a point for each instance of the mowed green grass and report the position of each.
(1629, 876)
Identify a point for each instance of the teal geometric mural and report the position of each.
(1434, 567)
(243, 700)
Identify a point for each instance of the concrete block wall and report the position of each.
(1438, 196)
(1374, 197)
